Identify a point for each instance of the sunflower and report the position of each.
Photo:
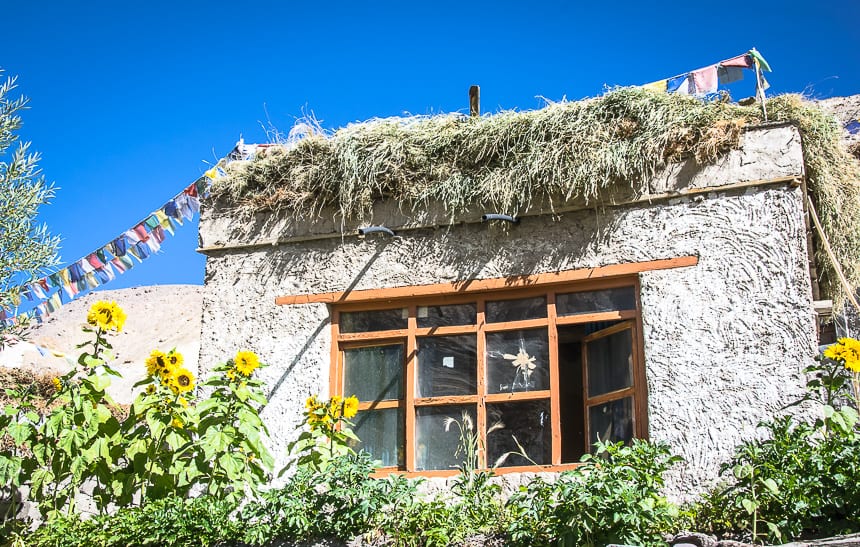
(177, 423)
(150, 389)
(350, 406)
(156, 363)
(335, 406)
(246, 362)
(231, 374)
(174, 358)
(180, 380)
(106, 316)
(58, 384)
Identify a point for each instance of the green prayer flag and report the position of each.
(760, 60)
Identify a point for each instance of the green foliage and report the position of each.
(341, 501)
(799, 481)
(326, 432)
(614, 497)
(26, 249)
(172, 521)
(165, 447)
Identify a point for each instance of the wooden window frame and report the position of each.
(631, 319)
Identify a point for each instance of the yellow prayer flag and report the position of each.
(658, 86)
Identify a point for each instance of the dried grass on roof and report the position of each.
(565, 151)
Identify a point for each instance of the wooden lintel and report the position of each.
(485, 285)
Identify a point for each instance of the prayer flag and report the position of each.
(131, 236)
(142, 250)
(759, 60)
(94, 261)
(135, 252)
(141, 232)
(152, 221)
(120, 246)
(743, 61)
(158, 234)
(102, 276)
(75, 272)
(679, 84)
(658, 86)
(55, 300)
(153, 244)
(39, 291)
(730, 74)
(853, 126)
(705, 80)
(164, 220)
(85, 265)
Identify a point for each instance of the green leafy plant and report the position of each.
(613, 497)
(326, 432)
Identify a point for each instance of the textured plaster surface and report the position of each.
(725, 342)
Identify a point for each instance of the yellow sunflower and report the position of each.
(150, 389)
(177, 423)
(246, 362)
(174, 358)
(350, 406)
(156, 363)
(181, 380)
(335, 406)
(58, 384)
(106, 316)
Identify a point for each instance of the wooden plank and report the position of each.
(446, 400)
(611, 396)
(516, 325)
(485, 285)
(554, 381)
(335, 382)
(409, 389)
(518, 396)
(379, 405)
(384, 472)
(481, 412)
(373, 335)
(595, 317)
(447, 330)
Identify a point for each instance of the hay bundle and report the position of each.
(565, 151)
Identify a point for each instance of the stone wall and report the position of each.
(725, 341)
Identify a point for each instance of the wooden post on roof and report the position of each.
(475, 101)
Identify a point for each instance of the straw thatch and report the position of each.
(565, 151)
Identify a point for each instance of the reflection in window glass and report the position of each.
(447, 365)
(502, 311)
(517, 361)
(610, 363)
(367, 321)
(612, 421)
(527, 423)
(621, 298)
(381, 434)
(373, 373)
(443, 316)
(437, 435)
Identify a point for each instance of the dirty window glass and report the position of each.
(437, 435)
(443, 316)
(374, 373)
(517, 361)
(527, 423)
(367, 321)
(447, 365)
(610, 363)
(622, 298)
(612, 421)
(381, 434)
(502, 311)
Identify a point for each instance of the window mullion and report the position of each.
(554, 387)
(409, 387)
(481, 411)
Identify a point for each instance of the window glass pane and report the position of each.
(610, 363)
(622, 298)
(438, 435)
(612, 421)
(443, 316)
(373, 373)
(502, 311)
(366, 321)
(381, 434)
(517, 361)
(447, 365)
(527, 423)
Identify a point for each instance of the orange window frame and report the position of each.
(631, 319)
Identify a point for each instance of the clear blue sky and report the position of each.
(129, 100)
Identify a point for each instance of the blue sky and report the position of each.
(130, 100)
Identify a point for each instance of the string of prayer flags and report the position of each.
(706, 80)
(103, 265)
